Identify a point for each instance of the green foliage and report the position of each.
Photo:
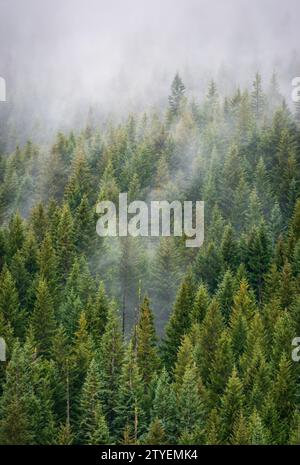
(92, 423)
(206, 359)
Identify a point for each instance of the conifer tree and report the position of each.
(200, 304)
(92, 423)
(176, 97)
(16, 234)
(21, 278)
(258, 433)
(16, 401)
(165, 273)
(222, 368)
(257, 98)
(213, 428)
(165, 406)
(9, 302)
(156, 434)
(109, 189)
(229, 249)
(65, 241)
(84, 226)
(232, 403)
(191, 411)
(130, 397)
(43, 319)
(184, 361)
(64, 436)
(96, 312)
(39, 222)
(225, 294)
(180, 320)
(48, 264)
(211, 330)
(79, 183)
(81, 355)
(146, 344)
(240, 435)
(258, 257)
(110, 358)
(283, 394)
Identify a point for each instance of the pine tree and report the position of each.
(256, 338)
(254, 212)
(283, 394)
(258, 257)
(232, 403)
(180, 320)
(222, 368)
(211, 330)
(165, 406)
(79, 183)
(16, 401)
(244, 301)
(184, 361)
(92, 424)
(64, 436)
(201, 304)
(191, 411)
(81, 355)
(48, 265)
(109, 189)
(283, 334)
(257, 98)
(176, 97)
(16, 234)
(65, 241)
(229, 249)
(130, 397)
(79, 288)
(110, 362)
(146, 344)
(43, 320)
(156, 434)
(22, 279)
(287, 289)
(39, 222)
(225, 294)
(274, 98)
(9, 302)
(84, 226)
(240, 435)
(213, 428)
(258, 433)
(26, 404)
(165, 274)
(96, 312)
(60, 355)
(208, 266)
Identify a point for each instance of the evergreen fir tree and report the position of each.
(92, 424)
(43, 320)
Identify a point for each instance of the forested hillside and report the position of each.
(142, 340)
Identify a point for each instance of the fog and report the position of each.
(61, 57)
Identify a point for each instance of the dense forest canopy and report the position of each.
(142, 340)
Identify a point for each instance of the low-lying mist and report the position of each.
(61, 58)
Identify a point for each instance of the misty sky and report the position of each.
(61, 55)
